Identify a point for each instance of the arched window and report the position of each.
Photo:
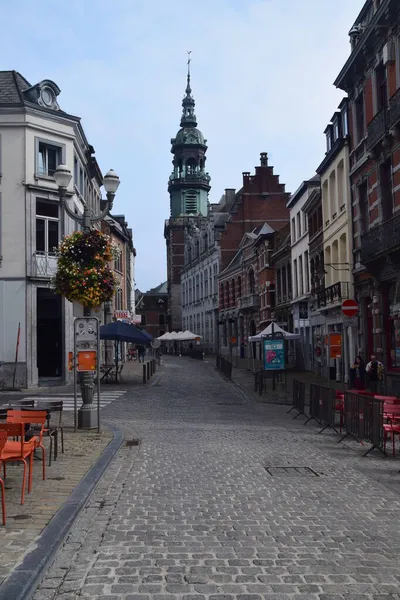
(239, 287)
(191, 202)
(227, 296)
(191, 166)
(252, 283)
(233, 292)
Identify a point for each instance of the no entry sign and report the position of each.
(350, 308)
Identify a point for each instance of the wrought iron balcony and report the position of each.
(250, 302)
(380, 240)
(333, 294)
(44, 265)
(394, 110)
(378, 128)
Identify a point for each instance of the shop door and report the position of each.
(49, 333)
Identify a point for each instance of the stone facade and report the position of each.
(35, 137)
(153, 308)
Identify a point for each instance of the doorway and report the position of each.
(49, 334)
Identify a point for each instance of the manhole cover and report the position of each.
(56, 478)
(291, 472)
(21, 517)
(132, 443)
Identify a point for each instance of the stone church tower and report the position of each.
(188, 187)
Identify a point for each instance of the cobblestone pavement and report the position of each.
(193, 514)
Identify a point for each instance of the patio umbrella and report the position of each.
(123, 332)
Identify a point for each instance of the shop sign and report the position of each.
(335, 345)
(122, 314)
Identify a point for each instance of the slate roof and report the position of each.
(160, 289)
(12, 84)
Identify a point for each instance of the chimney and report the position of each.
(264, 159)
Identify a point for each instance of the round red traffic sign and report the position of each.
(350, 308)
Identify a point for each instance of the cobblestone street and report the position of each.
(192, 513)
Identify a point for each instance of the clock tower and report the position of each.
(188, 187)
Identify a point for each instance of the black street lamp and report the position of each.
(111, 181)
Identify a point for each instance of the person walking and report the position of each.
(141, 353)
(357, 374)
(375, 371)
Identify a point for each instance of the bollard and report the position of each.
(261, 383)
(144, 374)
(148, 370)
(151, 368)
(154, 365)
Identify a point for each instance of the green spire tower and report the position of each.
(189, 183)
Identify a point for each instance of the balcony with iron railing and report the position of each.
(394, 110)
(380, 240)
(333, 295)
(43, 265)
(251, 302)
(378, 128)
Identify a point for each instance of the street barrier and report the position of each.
(154, 365)
(148, 370)
(363, 420)
(298, 398)
(314, 411)
(224, 366)
(144, 374)
(327, 405)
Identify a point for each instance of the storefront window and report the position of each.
(395, 343)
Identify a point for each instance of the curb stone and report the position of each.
(23, 581)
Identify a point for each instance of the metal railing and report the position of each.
(378, 128)
(298, 398)
(381, 239)
(224, 366)
(333, 294)
(44, 264)
(394, 110)
(363, 419)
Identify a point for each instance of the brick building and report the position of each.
(246, 281)
(152, 306)
(371, 77)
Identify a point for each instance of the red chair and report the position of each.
(391, 429)
(18, 451)
(32, 418)
(3, 440)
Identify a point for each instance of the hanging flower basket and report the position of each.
(83, 274)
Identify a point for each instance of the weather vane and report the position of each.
(189, 52)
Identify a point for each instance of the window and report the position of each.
(47, 226)
(386, 189)
(252, 283)
(301, 278)
(295, 279)
(76, 171)
(118, 262)
(293, 230)
(118, 299)
(328, 141)
(305, 222)
(161, 319)
(345, 122)
(360, 117)
(239, 284)
(49, 157)
(336, 130)
(191, 202)
(298, 224)
(381, 87)
(306, 272)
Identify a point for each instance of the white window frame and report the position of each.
(46, 251)
(61, 159)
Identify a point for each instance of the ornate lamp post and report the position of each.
(111, 181)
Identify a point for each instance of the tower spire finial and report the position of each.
(188, 88)
(188, 117)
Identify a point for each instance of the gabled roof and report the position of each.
(160, 289)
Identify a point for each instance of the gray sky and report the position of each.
(262, 73)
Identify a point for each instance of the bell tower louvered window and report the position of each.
(191, 202)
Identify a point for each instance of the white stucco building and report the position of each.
(300, 270)
(35, 137)
(199, 277)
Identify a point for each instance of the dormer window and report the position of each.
(345, 121)
(329, 141)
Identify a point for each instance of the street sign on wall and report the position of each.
(350, 308)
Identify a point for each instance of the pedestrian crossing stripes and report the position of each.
(68, 399)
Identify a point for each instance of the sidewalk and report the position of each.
(26, 522)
